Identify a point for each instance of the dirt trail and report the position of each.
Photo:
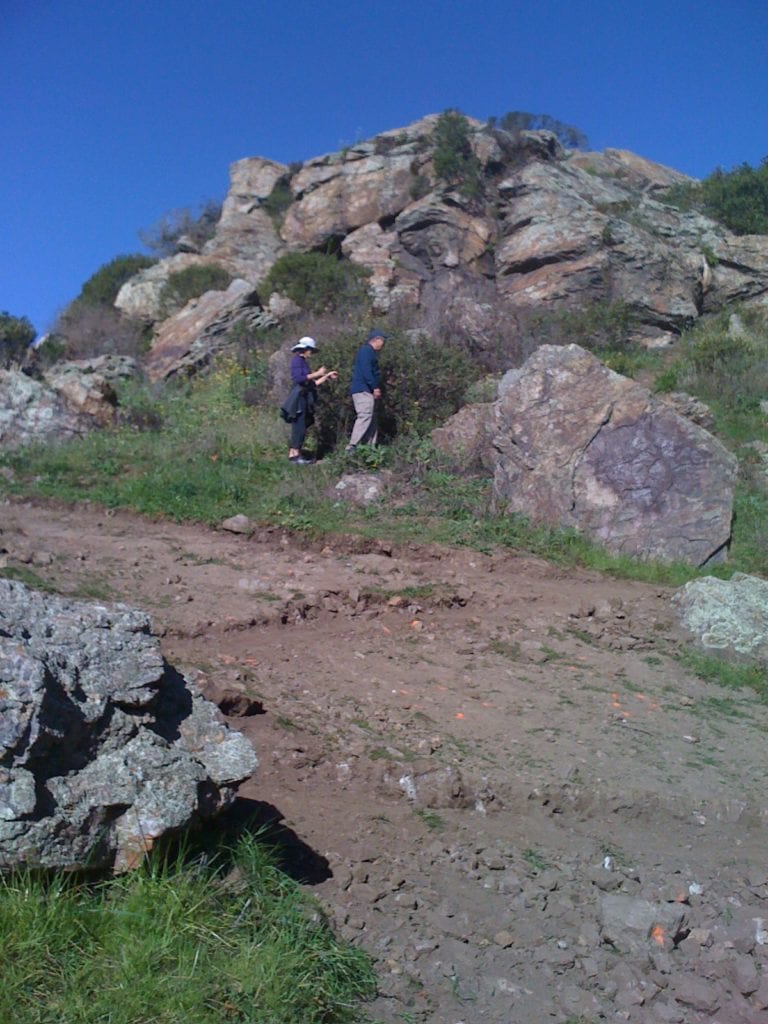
(470, 755)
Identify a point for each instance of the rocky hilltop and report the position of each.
(544, 229)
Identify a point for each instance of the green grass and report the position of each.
(211, 456)
(28, 577)
(729, 674)
(175, 943)
(433, 821)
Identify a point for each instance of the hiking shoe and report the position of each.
(299, 460)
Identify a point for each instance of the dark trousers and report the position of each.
(299, 430)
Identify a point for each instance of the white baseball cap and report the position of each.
(305, 343)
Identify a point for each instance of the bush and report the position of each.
(102, 287)
(16, 335)
(190, 283)
(453, 159)
(515, 121)
(83, 331)
(600, 325)
(723, 365)
(424, 382)
(279, 199)
(318, 282)
(738, 198)
(163, 237)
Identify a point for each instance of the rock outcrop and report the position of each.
(548, 230)
(576, 445)
(189, 339)
(103, 747)
(70, 399)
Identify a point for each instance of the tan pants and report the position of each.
(364, 430)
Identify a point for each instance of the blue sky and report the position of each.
(114, 112)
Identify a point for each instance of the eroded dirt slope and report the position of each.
(487, 768)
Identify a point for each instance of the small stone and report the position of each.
(237, 524)
(504, 939)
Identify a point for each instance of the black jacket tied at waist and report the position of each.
(301, 399)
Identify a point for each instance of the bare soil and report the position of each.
(472, 757)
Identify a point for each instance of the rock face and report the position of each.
(103, 748)
(71, 399)
(190, 338)
(577, 445)
(549, 230)
(727, 617)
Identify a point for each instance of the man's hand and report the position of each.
(377, 392)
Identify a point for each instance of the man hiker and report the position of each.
(365, 389)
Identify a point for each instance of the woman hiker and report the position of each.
(299, 406)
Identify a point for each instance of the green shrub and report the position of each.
(317, 282)
(279, 199)
(453, 158)
(102, 287)
(600, 325)
(723, 366)
(16, 335)
(191, 283)
(515, 121)
(738, 198)
(424, 382)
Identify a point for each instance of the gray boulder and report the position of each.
(103, 747)
(71, 399)
(31, 411)
(727, 617)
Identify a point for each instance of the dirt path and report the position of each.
(488, 767)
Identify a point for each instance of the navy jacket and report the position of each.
(365, 371)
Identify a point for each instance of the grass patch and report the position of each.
(175, 942)
(28, 578)
(732, 675)
(433, 821)
(534, 860)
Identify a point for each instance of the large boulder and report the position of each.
(573, 444)
(103, 747)
(70, 399)
(581, 446)
(727, 617)
(31, 411)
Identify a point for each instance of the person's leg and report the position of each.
(364, 406)
(298, 431)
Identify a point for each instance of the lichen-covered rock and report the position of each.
(103, 747)
(581, 446)
(727, 617)
(29, 410)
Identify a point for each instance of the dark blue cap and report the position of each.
(376, 334)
